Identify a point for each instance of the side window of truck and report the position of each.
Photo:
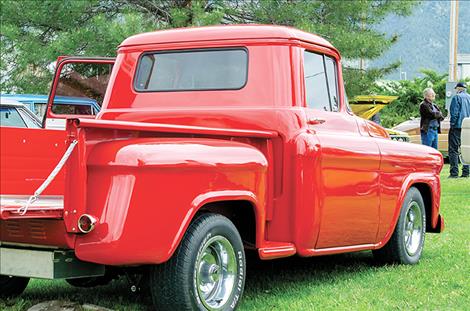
(332, 75)
(320, 82)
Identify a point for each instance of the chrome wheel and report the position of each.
(206, 271)
(413, 228)
(216, 271)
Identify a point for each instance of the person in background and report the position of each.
(459, 109)
(431, 117)
(376, 118)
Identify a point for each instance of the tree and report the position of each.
(32, 40)
(349, 25)
(35, 33)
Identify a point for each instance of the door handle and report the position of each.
(313, 121)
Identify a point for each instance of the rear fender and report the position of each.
(145, 192)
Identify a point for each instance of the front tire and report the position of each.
(206, 272)
(406, 244)
(12, 286)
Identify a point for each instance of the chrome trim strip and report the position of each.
(14, 201)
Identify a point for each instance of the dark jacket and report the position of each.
(459, 109)
(425, 110)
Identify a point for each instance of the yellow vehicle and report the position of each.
(367, 106)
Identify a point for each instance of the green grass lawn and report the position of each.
(441, 281)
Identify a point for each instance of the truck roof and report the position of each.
(224, 32)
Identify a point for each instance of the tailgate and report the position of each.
(28, 156)
(42, 223)
(48, 206)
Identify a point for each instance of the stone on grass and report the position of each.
(55, 305)
(90, 307)
(60, 305)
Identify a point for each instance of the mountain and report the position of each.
(424, 38)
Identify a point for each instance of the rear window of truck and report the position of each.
(192, 70)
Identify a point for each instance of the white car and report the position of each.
(15, 114)
(465, 141)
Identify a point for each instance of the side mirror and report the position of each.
(465, 141)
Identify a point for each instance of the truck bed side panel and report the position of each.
(144, 192)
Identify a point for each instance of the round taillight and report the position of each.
(86, 223)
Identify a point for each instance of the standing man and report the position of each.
(431, 117)
(459, 109)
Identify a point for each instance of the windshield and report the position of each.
(9, 116)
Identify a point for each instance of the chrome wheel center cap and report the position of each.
(214, 273)
(210, 273)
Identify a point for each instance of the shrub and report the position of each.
(410, 95)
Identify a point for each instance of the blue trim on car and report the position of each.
(31, 99)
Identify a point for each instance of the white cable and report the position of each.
(22, 210)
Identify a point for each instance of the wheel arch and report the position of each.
(235, 205)
(240, 212)
(424, 183)
(426, 193)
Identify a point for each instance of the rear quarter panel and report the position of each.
(145, 191)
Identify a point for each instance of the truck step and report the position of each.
(273, 250)
(46, 206)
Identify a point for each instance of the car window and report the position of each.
(9, 116)
(346, 101)
(82, 85)
(316, 87)
(332, 82)
(71, 109)
(224, 69)
(30, 122)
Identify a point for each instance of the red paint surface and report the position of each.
(151, 161)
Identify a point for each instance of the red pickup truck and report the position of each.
(210, 141)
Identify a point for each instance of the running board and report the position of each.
(46, 206)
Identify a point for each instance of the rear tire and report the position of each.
(406, 244)
(207, 270)
(12, 286)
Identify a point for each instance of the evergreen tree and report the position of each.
(34, 33)
(349, 25)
